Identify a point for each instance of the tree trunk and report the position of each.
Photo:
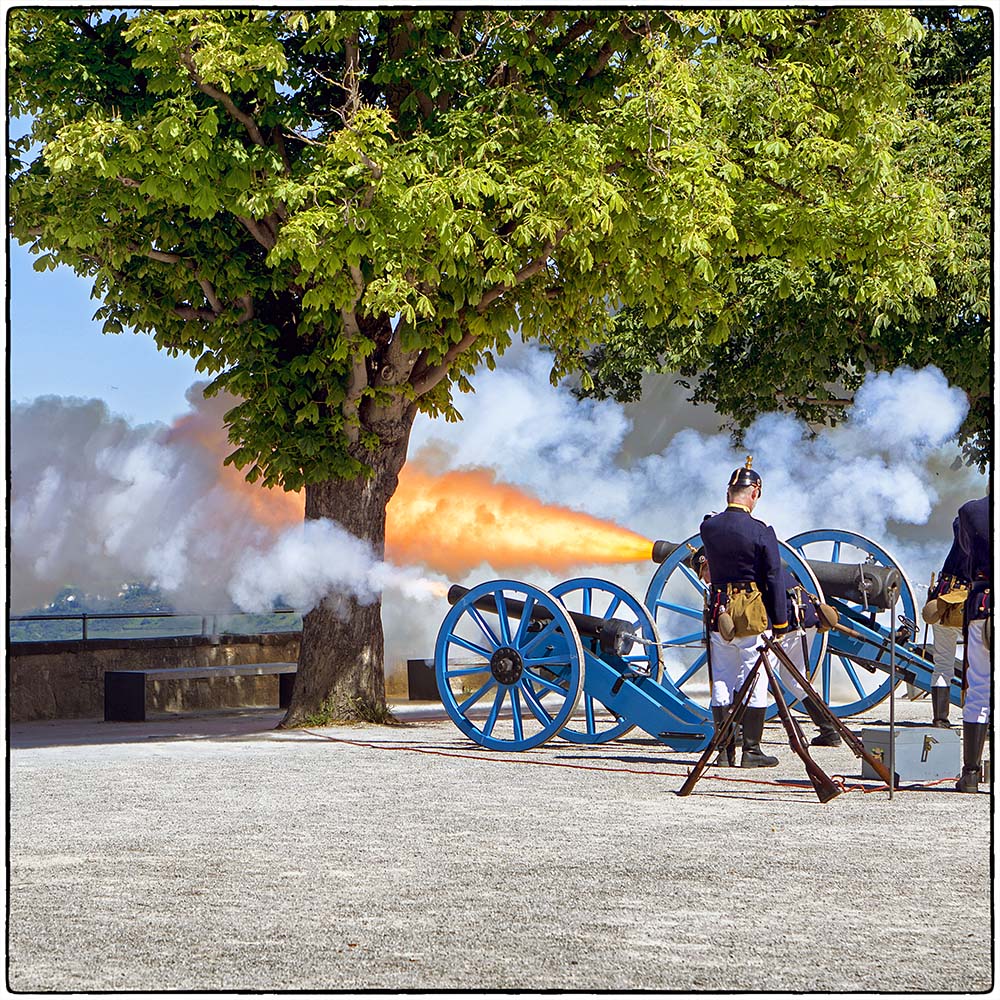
(340, 673)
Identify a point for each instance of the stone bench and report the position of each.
(125, 690)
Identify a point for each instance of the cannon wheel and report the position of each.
(607, 600)
(837, 674)
(508, 683)
(675, 598)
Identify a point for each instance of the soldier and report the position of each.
(746, 598)
(974, 540)
(945, 612)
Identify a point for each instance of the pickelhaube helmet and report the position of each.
(745, 477)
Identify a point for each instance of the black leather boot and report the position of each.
(828, 735)
(753, 730)
(727, 754)
(973, 740)
(940, 703)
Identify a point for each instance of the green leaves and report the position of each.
(342, 213)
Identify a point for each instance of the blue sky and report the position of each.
(56, 348)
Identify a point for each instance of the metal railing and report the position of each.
(207, 624)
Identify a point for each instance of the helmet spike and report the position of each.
(747, 476)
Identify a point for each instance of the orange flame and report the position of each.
(458, 520)
(272, 508)
(451, 522)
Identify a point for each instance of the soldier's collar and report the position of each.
(738, 506)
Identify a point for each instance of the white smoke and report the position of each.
(96, 502)
(888, 465)
(311, 561)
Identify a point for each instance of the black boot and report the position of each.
(973, 740)
(727, 754)
(828, 735)
(940, 703)
(753, 730)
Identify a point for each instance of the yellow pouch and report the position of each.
(747, 611)
(954, 607)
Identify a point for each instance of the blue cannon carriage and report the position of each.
(586, 661)
(850, 666)
(514, 661)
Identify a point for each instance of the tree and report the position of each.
(343, 214)
(806, 336)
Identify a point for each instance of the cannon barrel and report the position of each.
(662, 550)
(615, 635)
(866, 583)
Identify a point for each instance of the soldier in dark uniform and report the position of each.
(941, 615)
(975, 542)
(748, 586)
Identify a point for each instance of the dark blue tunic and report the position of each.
(809, 617)
(974, 539)
(741, 549)
(953, 571)
(954, 564)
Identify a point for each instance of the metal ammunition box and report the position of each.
(922, 753)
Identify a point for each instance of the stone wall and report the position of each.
(65, 680)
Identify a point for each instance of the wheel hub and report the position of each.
(506, 665)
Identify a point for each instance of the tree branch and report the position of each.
(356, 382)
(246, 301)
(353, 100)
(224, 99)
(213, 299)
(426, 377)
(260, 233)
(191, 313)
(456, 25)
(165, 258)
(581, 27)
(607, 50)
(528, 271)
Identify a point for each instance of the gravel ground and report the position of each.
(211, 852)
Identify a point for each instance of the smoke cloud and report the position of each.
(96, 502)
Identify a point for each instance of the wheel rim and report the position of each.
(846, 687)
(675, 598)
(604, 599)
(508, 683)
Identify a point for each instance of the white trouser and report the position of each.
(977, 676)
(731, 663)
(791, 643)
(944, 646)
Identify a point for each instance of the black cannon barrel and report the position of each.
(861, 583)
(864, 583)
(613, 633)
(663, 549)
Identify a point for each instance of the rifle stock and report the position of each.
(853, 743)
(826, 788)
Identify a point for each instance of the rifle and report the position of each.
(800, 616)
(727, 728)
(853, 743)
(926, 625)
(826, 788)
